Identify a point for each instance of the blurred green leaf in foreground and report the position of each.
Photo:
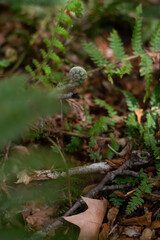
(20, 105)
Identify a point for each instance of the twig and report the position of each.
(136, 159)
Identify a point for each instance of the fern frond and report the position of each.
(146, 70)
(137, 200)
(62, 31)
(75, 6)
(155, 40)
(100, 126)
(131, 101)
(102, 103)
(76, 143)
(155, 98)
(137, 33)
(94, 54)
(58, 44)
(63, 17)
(117, 46)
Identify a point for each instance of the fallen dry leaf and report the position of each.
(139, 114)
(144, 220)
(155, 224)
(89, 221)
(120, 194)
(23, 178)
(132, 231)
(20, 149)
(104, 232)
(39, 217)
(146, 234)
(88, 188)
(116, 163)
(112, 214)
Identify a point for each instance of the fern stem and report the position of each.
(116, 62)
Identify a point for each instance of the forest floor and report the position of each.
(21, 37)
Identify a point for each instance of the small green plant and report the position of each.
(48, 70)
(146, 64)
(137, 199)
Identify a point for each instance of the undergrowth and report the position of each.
(143, 133)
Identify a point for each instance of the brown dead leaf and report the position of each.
(132, 231)
(104, 232)
(120, 194)
(116, 163)
(139, 114)
(89, 221)
(40, 217)
(20, 149)
(23, 177)
(112, 214)
(88, 188)
(146, 234)
(155, 224)
(144, 220)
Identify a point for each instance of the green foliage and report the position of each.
(155, 98)
(155, 40)
(117, 201)
(137, 200)
(96, 56)
(137, 33)
(146, 64)
(146, 70)
(131, 101)
(127, 180)
(75, 144)
(100, 126)
(44, 71)
(20, 106)
(117, 46)
(102, 103)
(110, 153)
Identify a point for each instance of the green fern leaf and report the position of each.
(61, 31)
(53, 56)
(75, 6)
(58, 44)
(117, 46)
(155, 98)
(100, 126)
(155, 40)
(146, 70)
(137, 33)
(102, 103)
(94, 54)
(65, 18)
(131, 101)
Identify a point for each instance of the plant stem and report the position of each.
(67, 171)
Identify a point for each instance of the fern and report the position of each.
(115, 146)
(100, 126)
(155, 98)
(131, 101)
(155, 40)
(75, 144)
(42, 71)
(137, 33)
(117, 201)
(117, 46)
(137, 200)
(94, 54)
(102, 103)
(146, 70)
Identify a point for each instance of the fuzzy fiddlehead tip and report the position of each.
(78, 74)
